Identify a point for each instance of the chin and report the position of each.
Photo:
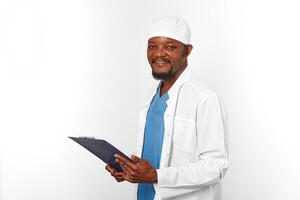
(161, 69)
(162, 75)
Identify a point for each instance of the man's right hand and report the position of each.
(118, 175)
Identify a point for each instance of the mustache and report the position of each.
(160, 60)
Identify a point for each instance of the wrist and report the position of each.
(154, 180)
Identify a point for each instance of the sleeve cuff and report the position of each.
(156, 185)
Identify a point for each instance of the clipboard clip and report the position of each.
(87, 137)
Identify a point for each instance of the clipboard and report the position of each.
(102, 149)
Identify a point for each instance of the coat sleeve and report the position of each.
(211, 163)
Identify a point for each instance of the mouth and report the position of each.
(160, 61)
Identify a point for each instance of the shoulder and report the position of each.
(203, 97)
(198, 89)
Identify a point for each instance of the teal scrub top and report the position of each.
(153, 140)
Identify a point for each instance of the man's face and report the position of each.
(167, 57)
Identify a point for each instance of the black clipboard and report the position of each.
(102, 149)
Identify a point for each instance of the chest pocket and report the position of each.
(184, 135)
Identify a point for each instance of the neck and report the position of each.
(167, 83)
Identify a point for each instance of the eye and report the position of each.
(150, 46)
(171, 47)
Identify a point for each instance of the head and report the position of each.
(168, 47)
(167, 57)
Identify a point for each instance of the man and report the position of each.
(181, 146)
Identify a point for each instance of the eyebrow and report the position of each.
(168, 42)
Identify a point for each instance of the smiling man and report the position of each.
(182, 151)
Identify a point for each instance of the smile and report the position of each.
(160, 62)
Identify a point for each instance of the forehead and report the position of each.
(162, 40)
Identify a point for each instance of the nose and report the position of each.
(159, 52)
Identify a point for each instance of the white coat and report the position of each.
(194, 152)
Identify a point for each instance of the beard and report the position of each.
(163, 76)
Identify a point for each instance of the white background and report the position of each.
(79, 68)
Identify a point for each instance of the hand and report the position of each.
(137, 170)
(118, 175)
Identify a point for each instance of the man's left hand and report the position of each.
(137, 170)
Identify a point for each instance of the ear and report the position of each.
(188, 49)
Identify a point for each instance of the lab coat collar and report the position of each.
(173, 90)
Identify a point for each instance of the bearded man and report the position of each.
(182, 152)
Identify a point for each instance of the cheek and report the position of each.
(149, 56)
(176, 60)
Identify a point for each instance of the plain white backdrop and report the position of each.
(79, 68)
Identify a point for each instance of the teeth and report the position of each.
(160, 62)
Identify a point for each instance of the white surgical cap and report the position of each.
(171, 27)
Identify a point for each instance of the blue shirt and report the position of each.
(153, 140)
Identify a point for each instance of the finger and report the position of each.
(118, 173)
(119, 176)
(136, 159)
(113, 172)
(128, 178)
(109, 169)
(127, 170)
(120, 179)
(125, 161)
(131, 174)
(123, 168)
